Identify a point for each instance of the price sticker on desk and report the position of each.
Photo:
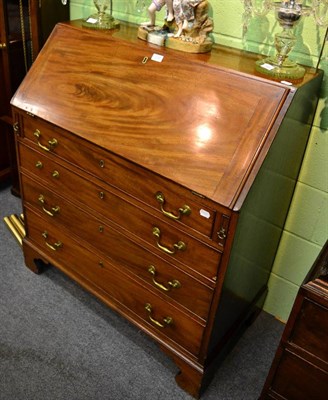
(157, 57)
(269, 67)
(92, 20)
(204, 214)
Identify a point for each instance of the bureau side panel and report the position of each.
(262, 218)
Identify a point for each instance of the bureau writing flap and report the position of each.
(200, 126)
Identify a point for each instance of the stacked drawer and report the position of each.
(148, 246)
(300, 367)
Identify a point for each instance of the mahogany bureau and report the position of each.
(160, 186)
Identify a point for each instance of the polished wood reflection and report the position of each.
(212, 125)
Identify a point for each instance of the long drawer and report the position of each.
(88, 268)
(165, 239)
(161, 275)
(168, 198)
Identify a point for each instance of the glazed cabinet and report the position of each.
(24, 27)
(159, 181)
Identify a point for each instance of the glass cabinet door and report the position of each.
(24, 27)
(16, 49)
(19, 42)
(15, 59)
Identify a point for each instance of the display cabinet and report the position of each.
(24, 27)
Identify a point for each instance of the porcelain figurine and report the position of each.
(157, 5)
(184, 14)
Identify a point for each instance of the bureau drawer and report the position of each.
(165, 239)
(155, 314)
(161, 275)
(178, 204)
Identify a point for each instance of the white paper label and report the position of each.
(157, 57)
(286, 83)
(92, 20)
(204, 213)
(269, 67)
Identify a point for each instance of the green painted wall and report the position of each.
(306, 228)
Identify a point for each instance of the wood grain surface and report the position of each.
(198, 125)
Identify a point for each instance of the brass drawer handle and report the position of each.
(54, 246)
(167, 320)
(222, 234)
(16, 127)
(185, 210)
(176, 246)
(175, 284)
(52, 142)
(54, 210)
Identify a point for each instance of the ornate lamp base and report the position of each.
(101, 21)
(280, 68)
(287, 71)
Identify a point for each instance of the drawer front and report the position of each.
(162, 276)
(165, 239)
(155, 314)
(310, 330)
(178, 204)
(297, 379)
